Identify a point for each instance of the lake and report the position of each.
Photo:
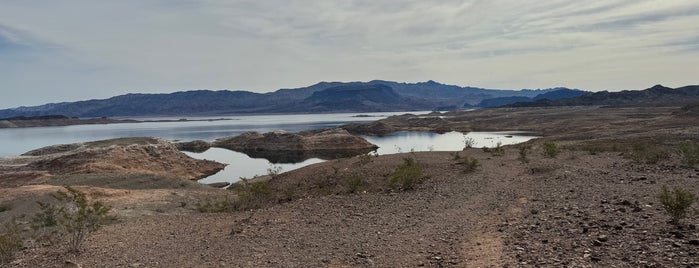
(20, 140)
(241, 165)
(16, 141)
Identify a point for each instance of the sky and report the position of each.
(54, 51)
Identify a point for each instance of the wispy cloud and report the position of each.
(87, 49)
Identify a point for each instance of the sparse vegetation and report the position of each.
(551, 149)
(676, 203)
(80, 216)
(10, 242)
(689, 151)
(523, 152)
(353, 183)
(648, 153)
(468, 142)
(364, 159)
(498, 150)
(215, 206)
(252, 194)
(470, 164)
(407, 175)
(274, 170)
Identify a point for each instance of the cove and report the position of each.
(242, 165)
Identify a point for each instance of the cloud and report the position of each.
(87, 49)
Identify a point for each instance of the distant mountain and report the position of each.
(352, 98)
(657, 95)
(556, 94)
(495, 102)
(369, 96)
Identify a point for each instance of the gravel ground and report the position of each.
(575, 210)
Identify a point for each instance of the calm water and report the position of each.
(20, 140)
(241, 165)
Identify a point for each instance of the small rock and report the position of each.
(693, 242)
(602, 238)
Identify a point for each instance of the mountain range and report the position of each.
(657, 95)
(372, 96)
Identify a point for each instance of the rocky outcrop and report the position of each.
(132, 155)
(406, 122)
(302, 145)
(196, 146)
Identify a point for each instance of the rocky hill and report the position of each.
(657, 95)
(556, 94)
(370, 96)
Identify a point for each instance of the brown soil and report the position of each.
(578, 209)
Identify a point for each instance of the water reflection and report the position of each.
(242, 165)
(250, 165)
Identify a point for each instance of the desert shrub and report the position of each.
(470, 164)
(80, 216)
(551, 149)
(523, 152)
(10, 242)
(353, 183)
(407, 175)
(214, 206)
(689, 151)
(498, 150)
(5, 207)
(676, 203)
(366, 158)
(274, 170)
(648, 153)
(468, 142)
(252, 194)
(47, 217)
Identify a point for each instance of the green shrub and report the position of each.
(551, 149)
(252, 195)
(10, 242)
(676, 203)
(689, 151)
(406, 175)
(80, 216)
(470, 164)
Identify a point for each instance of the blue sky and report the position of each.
(52, 51)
